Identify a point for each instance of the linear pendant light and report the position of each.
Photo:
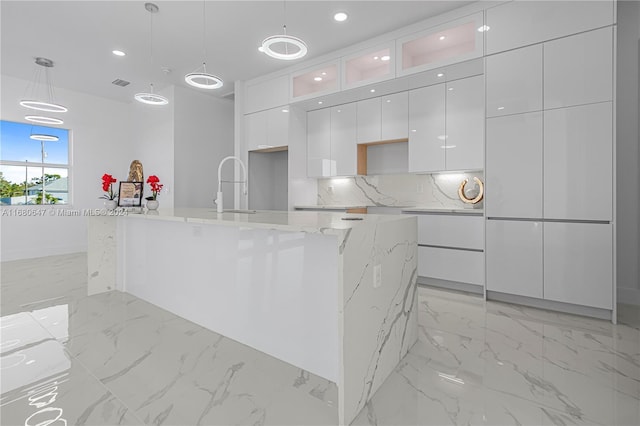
(48, 105)
(300, 47)
(203, 80)
(151, 98)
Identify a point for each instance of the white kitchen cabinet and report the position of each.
(427, 129)
(319, 162)
(369, 116)
(267, 129)
(513, 174)
(278, 126)
(451, 247)
(578, 263)
(343, 139)
(266, 94)
(395, 115)
(315, 81)
(579, 69)
(520, 23)
(440, 45)
(453, 231)
(255, 130)
(462, 266)
(578, 162)
(514, 257)
(514, 81)
(465, 124)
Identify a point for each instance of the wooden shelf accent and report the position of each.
(362, 210)
(272, 149)
(362, 152)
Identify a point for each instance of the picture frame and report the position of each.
(130, 194)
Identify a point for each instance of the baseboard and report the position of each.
(629, 296)
(33, 252)
(551, 305)
(451, 285)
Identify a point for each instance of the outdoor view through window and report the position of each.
(33, 171)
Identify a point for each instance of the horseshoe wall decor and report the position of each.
(477, 198)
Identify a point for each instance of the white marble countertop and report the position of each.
(331, 207)
(305, 221)
(478, 212)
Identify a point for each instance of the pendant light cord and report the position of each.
(151, 49)
(284, 27)
(204, 35)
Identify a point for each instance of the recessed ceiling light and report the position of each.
(340, 16)
(375, 58)
(319, 102)
(317, 78)
(450, 88)
(440, 74)
(323, 73)
(500, 108)
(118, 52)
(388, 100)
(484, 28)
(442, 37)
(285, 110)
(385, 58)
(372, 90)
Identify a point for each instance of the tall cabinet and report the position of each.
(549, 170)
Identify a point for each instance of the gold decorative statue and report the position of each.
(135, 172)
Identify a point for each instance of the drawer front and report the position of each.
(451, 231)
(452, 265)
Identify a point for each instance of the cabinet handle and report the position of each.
(477, 198)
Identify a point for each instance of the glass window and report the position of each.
(33, 171)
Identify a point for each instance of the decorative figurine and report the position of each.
(135, 172)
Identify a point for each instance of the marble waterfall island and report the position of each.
(331, 296)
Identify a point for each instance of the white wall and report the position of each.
(628, 152)
(152, 143)
(100, 137)
(203, 135)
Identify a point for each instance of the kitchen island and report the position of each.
(332, 293)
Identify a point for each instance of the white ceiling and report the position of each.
(80, 35)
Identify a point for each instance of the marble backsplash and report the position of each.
(401, 190)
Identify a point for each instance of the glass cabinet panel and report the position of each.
(364, 68)
(445, 44)
(320, 80)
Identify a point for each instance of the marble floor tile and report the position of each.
(114, 359)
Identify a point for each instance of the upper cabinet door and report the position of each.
(278, 127)
(514, 81)
(369, 112)
(514, 166)
(320, 80)
(578, 162)
(427, 129)
(371, 66)
(455, 41)
(578, 69)
(266, 94)
(319, 162)
(255, 126)
(520, 23)
(343, 139)
(395, 114)
(465, 124)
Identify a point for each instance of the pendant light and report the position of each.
(299, 46)
(151, 98)
(203, 80)
(46, 104)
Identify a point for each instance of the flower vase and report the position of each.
(110, 204)
(152, 204)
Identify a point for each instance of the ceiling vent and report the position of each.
(120, 82)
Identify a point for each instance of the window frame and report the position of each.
(43, 165)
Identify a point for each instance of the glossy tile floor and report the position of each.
(114, 359)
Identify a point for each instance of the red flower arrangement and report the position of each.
(107, 186)
(156, 186)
